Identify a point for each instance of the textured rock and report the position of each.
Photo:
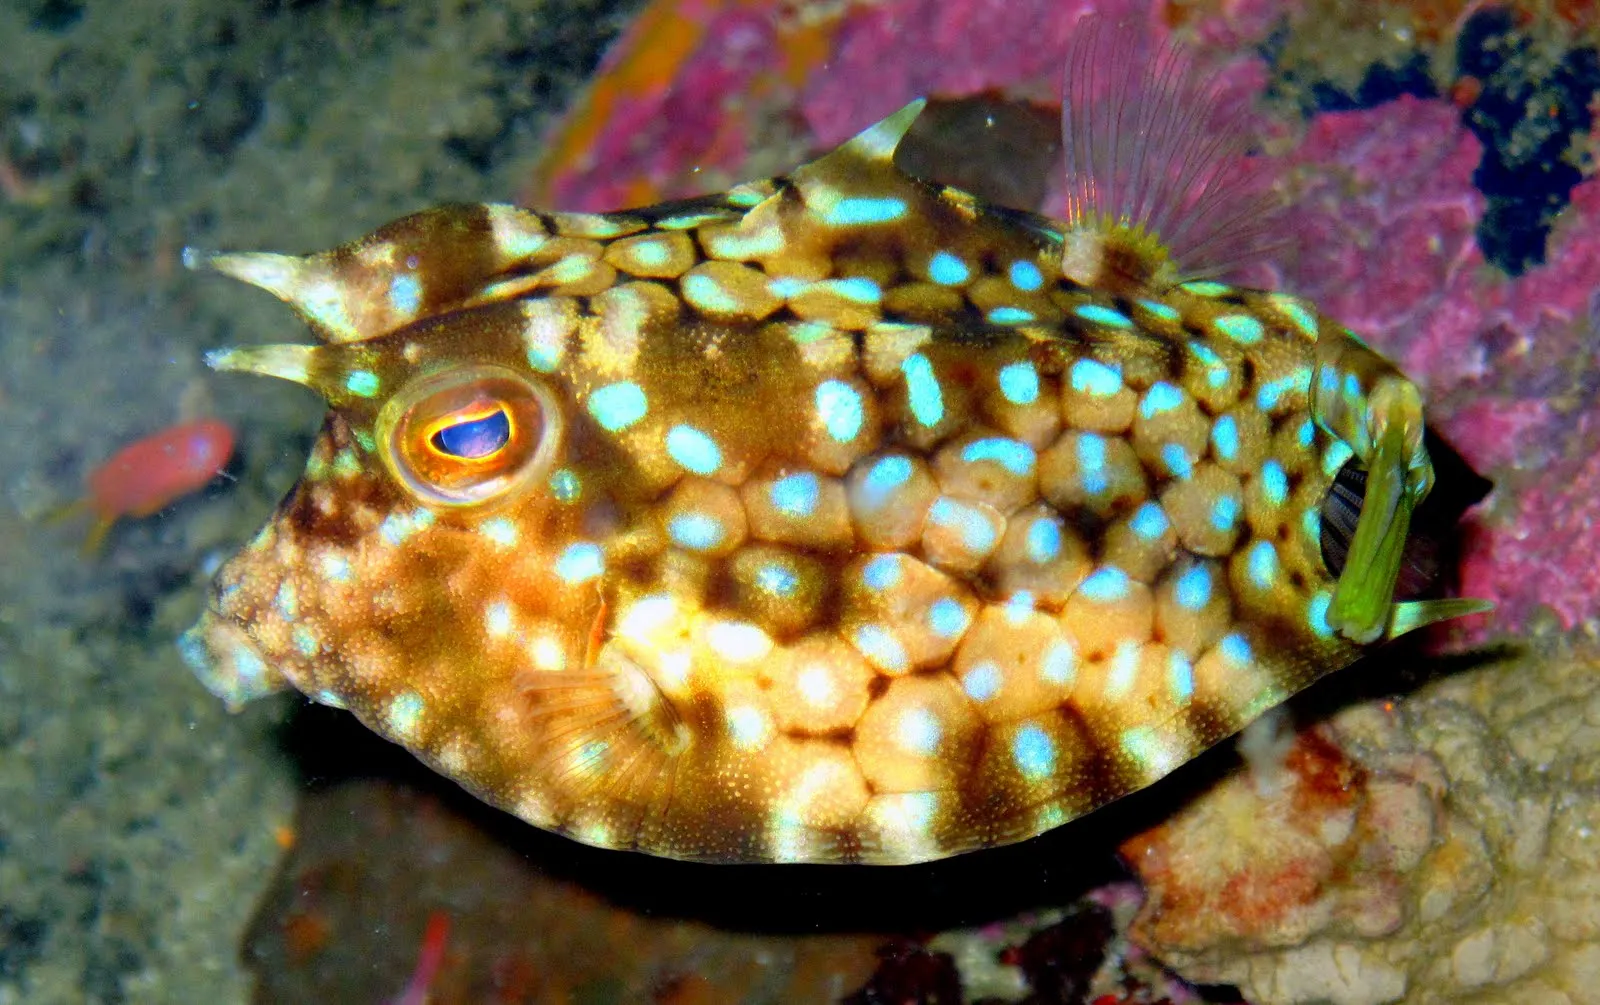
(1445, 848)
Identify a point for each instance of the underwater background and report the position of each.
(1437, 836)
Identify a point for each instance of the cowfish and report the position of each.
(840, 517)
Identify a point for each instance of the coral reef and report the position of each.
(1444, 848)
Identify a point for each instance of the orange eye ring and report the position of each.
(473, 436)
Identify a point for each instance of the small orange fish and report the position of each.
(429, 959)
(151, 473)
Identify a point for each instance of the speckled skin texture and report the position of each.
(829, 521)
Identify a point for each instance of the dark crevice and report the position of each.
(1529, 107)
(1527, 116)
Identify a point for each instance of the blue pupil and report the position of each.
(475, 438)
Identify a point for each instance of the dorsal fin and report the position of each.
(873, 145)
(857, 182)
(1158, 186)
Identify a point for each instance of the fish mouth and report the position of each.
(1430, 561)
(221, 653)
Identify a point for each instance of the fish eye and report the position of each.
(470, 437)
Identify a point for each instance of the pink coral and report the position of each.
(687, 98)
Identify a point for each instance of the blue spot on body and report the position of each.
(1302, 318)
(1305, 434)
(1274, 483)
(840, 408)
(1105, 585)
(1205, 354)
(878, 645)
(288, 601)
(565, 486)
(1090, 376)
(859, 289)
(405, 713)
(1193, 589)
(1149, 521)
(1159, 309)
(922, 390)
(405, 294)
(1092, 462)
(1270, 393)
(857, 210)
(580, 563)
(1010, 316)
(1034, 752)
(618, 406)
(885, 475)
(1013, 455)
(882, 572)
(1225, 438)
(1044, 541)
(1224, 512)
(1019, 383)
(1242, 328)
(796, 495)
(947, 618)
(1102, 316)
(1026, 275)
(1235, 649)
(695, 531)
(336, 568)
(693, 449)
(776, 579)
(1060, 663)
(1180, 677)
(982, 682)
(787, 286)
(1162, 397)
(1019, 606)
(707, 294)
(361, 383)
(1327, 379)
(1335, 456)
(1176, 457)
(977, 533)
(1262, 565)
(1317, 614)
(947, 270)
